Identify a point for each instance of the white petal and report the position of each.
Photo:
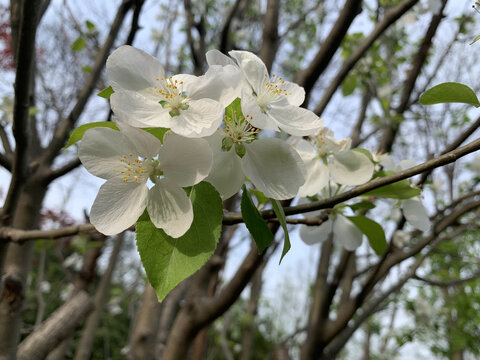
(132, 69)
(118, 205)
(227, 173)
(101, 149)
(304, 148)
(170, 208)
(296, 93)
(145, 143)
(316, 178)
(215, 57)
(350, 168)
(416, 214)
(138, 110)
(202, 118)
(315, 234)
(405, 164)
(252, 67)
(346, 233)
(185, 161)
(387, 162)
(258, 118)
(220, 83)
(274, 167)
(295, 120)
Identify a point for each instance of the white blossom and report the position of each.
(273, 103)
(129, 158)
(272, 165)
(327, 158)
(144, 96)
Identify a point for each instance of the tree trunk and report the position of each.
(142, 341)
(85, 345)
(17, 267)
(63, 321)
(249, 328)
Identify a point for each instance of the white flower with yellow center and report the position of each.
(326, 158)
(273, 102)
(271, 164)
(145, 97)
(130, 158)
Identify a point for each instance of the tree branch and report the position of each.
(308, 77)
(64, 127)
(21, 107)
(390, 17)
(452, 156)
(270, 38)
(224, 34)
(389, 133)
(448, 283)
(54, 330)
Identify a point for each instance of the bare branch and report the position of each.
(452, 156)
(270, 38)
(390, 17)
(448, 283)
(61, 133)
(5, 162)
(5, 142)
(24, 76)
(224, 37)
(308, 77)
(53, 174)
(455, 144)
(389, 133)
(58, 326)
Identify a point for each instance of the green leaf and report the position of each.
(373, 231)
(449, 92)
(159, 133)
(362, 205)
(87, 69)
(349, 85)
(79, 44)
(475, 40)
(90, 26)
(398, 190)
(106, 93)
(278, 209)
(257, 226)
(168, 261)
(261, 198)
(234, 109)
(77, 134)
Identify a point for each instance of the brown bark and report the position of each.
(142, 342)
(17, 267)
(418, 62)
(308, 77)
(62, 322)
(270, 39)
(248, 330)
(84, 348)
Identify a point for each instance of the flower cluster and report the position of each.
(214, 131)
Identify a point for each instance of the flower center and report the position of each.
(137, 169)
(274, 89)
(238, 131)
(173, 97)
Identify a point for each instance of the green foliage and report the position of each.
(168, 261)
(78, 133)
(398, 190)
(106, 93)
(373, 231)
(254, 222)
(278, 209)
(449, 92)
(90, 26)
(79, 44)
(362, 205)
(475, 39)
